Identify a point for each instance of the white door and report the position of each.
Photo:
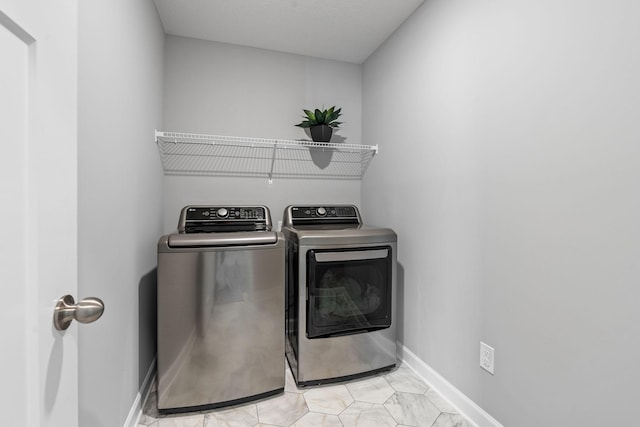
(38, 210)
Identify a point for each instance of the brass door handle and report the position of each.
(85, 311)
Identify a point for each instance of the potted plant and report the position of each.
(321, 123)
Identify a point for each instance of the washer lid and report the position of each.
(201, 240)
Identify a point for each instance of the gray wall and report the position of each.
(120, 200)
(222, 89)
(511, 130)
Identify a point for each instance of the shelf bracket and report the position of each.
(273, 161)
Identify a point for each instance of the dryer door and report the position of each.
(349, 291)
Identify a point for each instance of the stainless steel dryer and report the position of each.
(341, 290)
(220, 309)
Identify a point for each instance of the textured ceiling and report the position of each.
(343, 30)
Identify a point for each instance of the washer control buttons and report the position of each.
(223, 212)
(321, 211)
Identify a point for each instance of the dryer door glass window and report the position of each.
(349, 291)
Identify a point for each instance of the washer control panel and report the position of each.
(210, 219)
(200, 213)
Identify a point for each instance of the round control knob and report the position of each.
(321, 211)
(223, 212)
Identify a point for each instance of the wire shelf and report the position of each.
(216, 155)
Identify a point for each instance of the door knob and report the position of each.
(85, 311)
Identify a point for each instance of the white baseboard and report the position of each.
(465, 406)
(136, 408)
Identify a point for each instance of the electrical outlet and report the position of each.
(486, 357)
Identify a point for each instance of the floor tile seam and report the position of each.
(413, 375)
(346, 407)
(370, 403)
(376, 403)
(384, 405)
(437, 407)
(324, 413)
(441, 412)
(353, 400)
(350, 394)
(306, 405)
(438, 417)
(330, 413)
(450, 413)
(410, 392)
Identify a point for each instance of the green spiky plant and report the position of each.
(318, 117)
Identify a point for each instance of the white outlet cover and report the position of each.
(486, 357)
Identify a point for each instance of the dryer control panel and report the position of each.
(333, 214)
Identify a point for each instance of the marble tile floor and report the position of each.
(394, 398)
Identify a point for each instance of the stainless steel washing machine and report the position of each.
(220, 309)
(341, 291)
